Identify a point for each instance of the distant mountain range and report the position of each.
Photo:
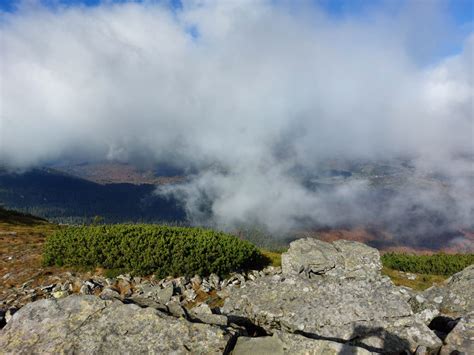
(76, 193)
(62, 197)
(117, 173)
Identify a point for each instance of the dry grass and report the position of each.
(273, 257)
(422, 281)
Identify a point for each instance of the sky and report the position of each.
(245, 93)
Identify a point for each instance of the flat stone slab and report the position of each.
(87, 324)
(290, 344)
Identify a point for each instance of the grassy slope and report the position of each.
(422, 281)
(22, 237)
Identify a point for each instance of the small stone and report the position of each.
(196, 280)
(85, 290)
(137, 279)
(163, 295)
(190, 294)
(60, 294)
(214, 281)
(175, 309)
(202, 309)
(91, 284)
(438, 299)
(108, 293)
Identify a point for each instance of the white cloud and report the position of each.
(259, 90)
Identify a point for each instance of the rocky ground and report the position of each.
(325, 299)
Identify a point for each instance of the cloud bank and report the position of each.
(246, 93)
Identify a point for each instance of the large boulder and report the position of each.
(87, 324)
(332, 291)
(310, 258)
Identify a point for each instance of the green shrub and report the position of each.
(146, 249)
(438, 264)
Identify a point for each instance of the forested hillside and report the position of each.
(63, 198)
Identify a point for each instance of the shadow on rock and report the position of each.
(378, 340)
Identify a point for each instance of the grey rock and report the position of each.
(189, 294)
(66, 286)
(454, 297)
(85, 290)
(137, 279)
(347, 310)
(180, 284)
(196, 314)
(108, 293)
(427, 315)
(309, 258)
(289, 344)
(164, 295)
(175, 309)
(406, 292)
(236, 279)
(196, 280)
(147, 302)
(261, 346)
(461, 339)
(202, 309)
(214, 281)
(158, 294)
(339, 293)
(87, 324)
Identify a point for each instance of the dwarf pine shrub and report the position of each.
(147, 249)
(438, 264)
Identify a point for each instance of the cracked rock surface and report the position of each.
(87, 324)
(333, 292)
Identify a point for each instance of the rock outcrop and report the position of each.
(326, 299)
(333, 292)
(87, 324)
(310, 257)
(455, 297)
